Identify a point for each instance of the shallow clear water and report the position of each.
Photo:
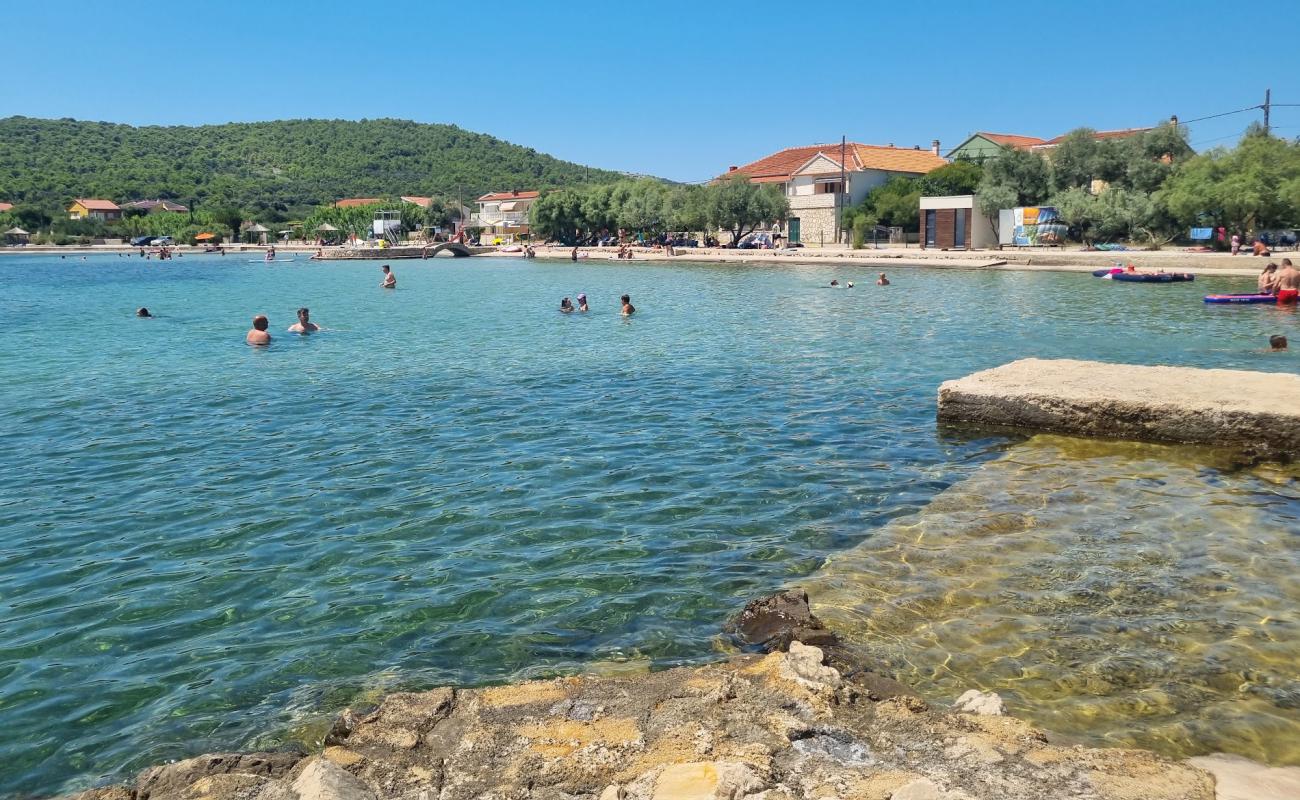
(1121, 593)
(206, 544)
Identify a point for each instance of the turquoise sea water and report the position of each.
(205, 544)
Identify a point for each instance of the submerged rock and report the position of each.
(973, 701)
(771, 623)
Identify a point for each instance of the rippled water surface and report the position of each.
(1121, 593)
(205, 544)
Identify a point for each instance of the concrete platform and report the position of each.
(1260, 410)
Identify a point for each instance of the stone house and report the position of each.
(818, 185)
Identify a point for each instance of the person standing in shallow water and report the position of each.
(258, 336)
(628, 308)
(882, 280)
(390, 280)
(304, 324)
(142, 312)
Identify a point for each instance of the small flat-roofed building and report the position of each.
(954, 222)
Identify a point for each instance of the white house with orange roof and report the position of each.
(818, 184)
(504, 213)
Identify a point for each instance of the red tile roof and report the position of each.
(353, 202)
(1100, 135)
(1012, 140)
(97, 205)
(6, 206)
(494, 196)
(422, 202)
(781, 165)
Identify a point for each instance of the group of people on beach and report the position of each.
(1284, 283)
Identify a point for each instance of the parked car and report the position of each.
(163, 241)
(142, 241)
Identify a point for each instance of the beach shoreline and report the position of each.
(1014, 260)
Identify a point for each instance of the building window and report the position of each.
(830, 187)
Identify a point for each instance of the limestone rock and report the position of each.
(171, 780)
(1238, 778)
(924, 789)
(706, 780)
(325, 780)
(772, 622)
(103, 793)
(803, 665)
(973, 701)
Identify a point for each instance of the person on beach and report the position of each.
(1276, 343)
(258, 336)
(1267, 279)
(1236, 244)
(882, 280)
(574, 255)
(390, 280)
(582, 303)
(142, 312)
(1260, 249)
(628, 308)
(1288, 283)
(566, 307)
(304, 325)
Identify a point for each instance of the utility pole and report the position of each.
(844, 187)
(1268, 93)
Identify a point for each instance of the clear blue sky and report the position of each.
(675, 89)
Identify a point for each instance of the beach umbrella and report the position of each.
(16, 231)
(325, 226)
(203, 237)
(257, 228)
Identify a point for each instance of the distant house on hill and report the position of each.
(83, 208)
(982, 144)
(353, 202)
(818, 185)
(422, 202)
(6, 207)
(156, 207)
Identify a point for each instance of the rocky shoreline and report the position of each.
(794, 720)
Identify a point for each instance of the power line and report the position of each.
(1224, 114)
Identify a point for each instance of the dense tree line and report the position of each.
(648, 208)
(272, 171)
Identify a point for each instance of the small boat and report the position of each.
(268, 260)
(1240, 298)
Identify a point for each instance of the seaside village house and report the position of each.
(504, 215)
(83, 208)
(983, 145)
(818, 186)
(157, 207)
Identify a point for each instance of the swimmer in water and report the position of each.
(834, 283)
(304, 325)
(1277, 343)
(882, 280)
(628, 308)
(142, 312)
(390, 280)
(566, 307)
(849, 285)
(258, 336)
(582, 303)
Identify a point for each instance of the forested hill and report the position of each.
(284, 165)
